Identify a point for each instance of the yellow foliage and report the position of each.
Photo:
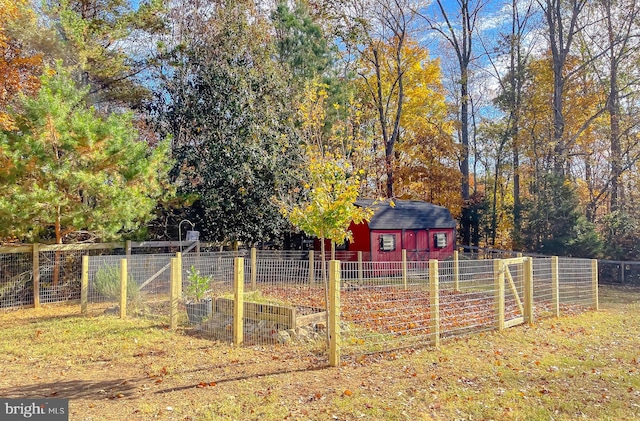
(18, 73)
(331, 185)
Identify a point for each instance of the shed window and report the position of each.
(440, 240)
(387, 242)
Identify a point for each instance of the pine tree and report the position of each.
(66, 169)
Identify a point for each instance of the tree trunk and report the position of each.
(464, 162)
(326, 286)
(613, 108)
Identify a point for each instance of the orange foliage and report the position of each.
(18, 71)
(427, 157)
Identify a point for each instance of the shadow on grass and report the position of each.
(228, 379)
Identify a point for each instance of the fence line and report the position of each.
(266, 297)
(38, 273)
(378, 306)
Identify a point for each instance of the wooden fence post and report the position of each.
(434, 296)
(555, 286)
(594, 282)
(84, 285)
(127, 247)
(238, 301)
(360, 271)
(123, 288)
(36, 275)
(404, 268)
(528, 290)
(175, 296)
(254, 269)
(334, 313)
(312, 269)
(179, 271)
(456, 272)
(498, 275)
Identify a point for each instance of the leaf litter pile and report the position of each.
(585, 366)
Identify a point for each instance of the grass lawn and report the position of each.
(579, 367)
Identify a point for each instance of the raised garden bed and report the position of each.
(285, 317)
(266, 322)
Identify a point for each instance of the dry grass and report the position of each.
(584, 366)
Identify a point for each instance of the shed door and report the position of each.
(422, 242)
(410, 244)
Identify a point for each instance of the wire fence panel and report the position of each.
(104, 279)
(543, 295)
(294, 295)
(576, 282)
(16, 280)
(216, 266)
(281, 302)
(616, 272)
(275, 272)
(384, 306)
(471, 308)
(150, 276)
(60, 273)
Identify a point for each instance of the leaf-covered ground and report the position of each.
(579, 367)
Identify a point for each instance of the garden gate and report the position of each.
(515, 302)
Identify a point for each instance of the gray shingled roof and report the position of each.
(408, 214)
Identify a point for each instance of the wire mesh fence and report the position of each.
(383, 305)
(16, 279)
(544, 297)
(52, 276)
(577, 282)
(619, 273)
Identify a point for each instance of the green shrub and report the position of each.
(198, 285)
(107, 284)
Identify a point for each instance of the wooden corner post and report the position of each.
(123, 288)
(84, 285)
(555, 286)
(528, 290)
(175, 293)
(434, 297)
(498, 276)
(594, 282)
(238, 301)
(334, 313)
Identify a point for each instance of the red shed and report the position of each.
(425, 230)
